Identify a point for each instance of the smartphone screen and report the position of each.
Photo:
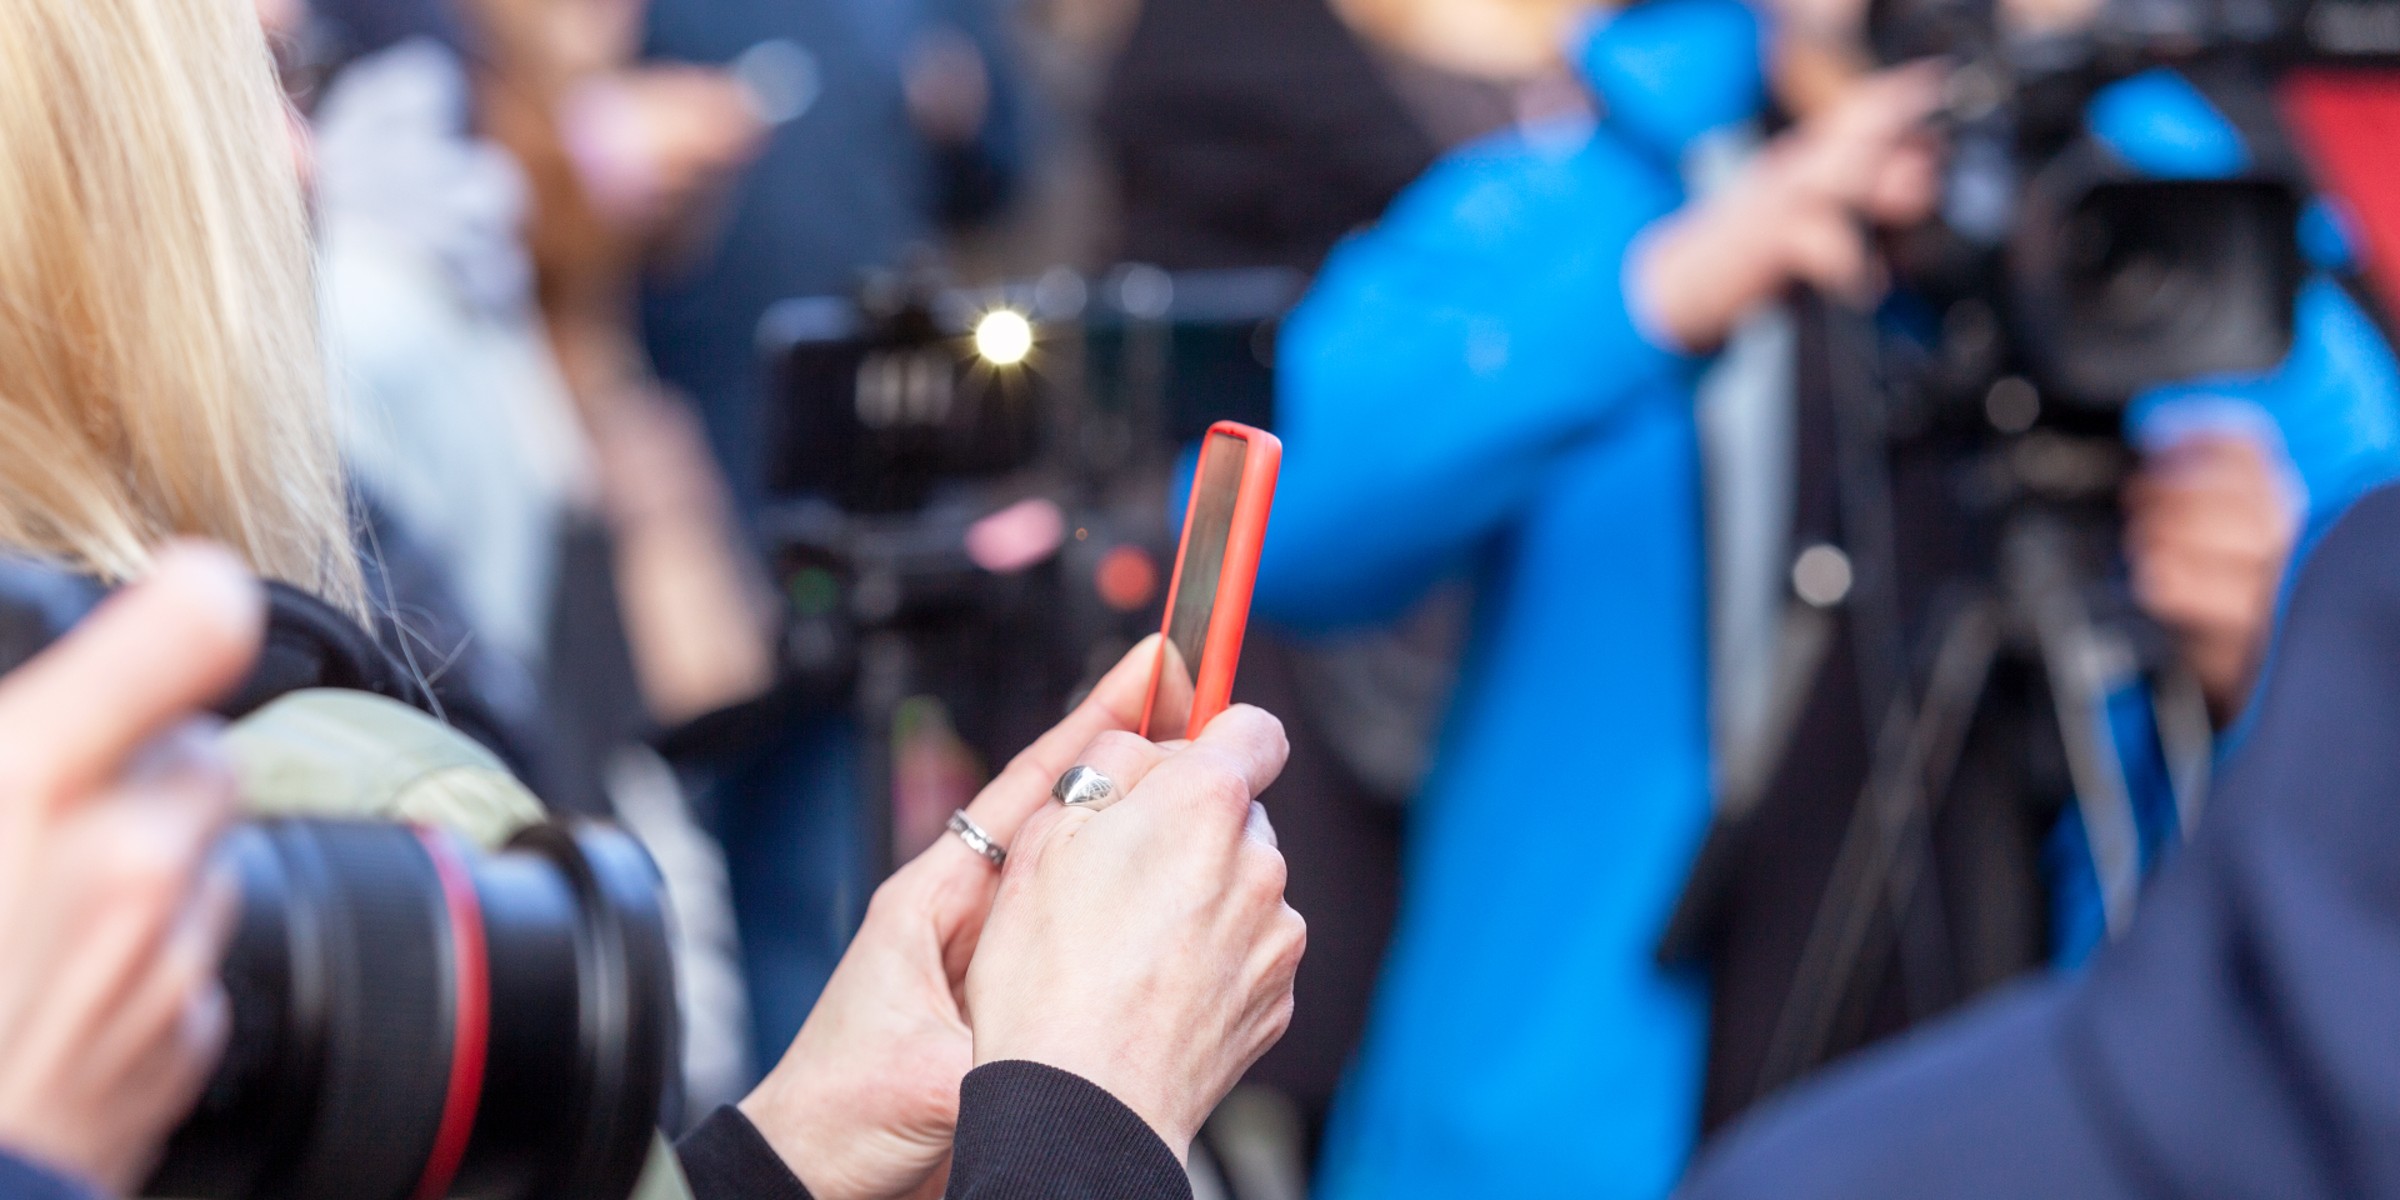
(1207, 525)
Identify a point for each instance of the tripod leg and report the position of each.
(1915, 755)
(2084, 664)
(886, 667)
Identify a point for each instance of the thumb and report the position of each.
(148, 657)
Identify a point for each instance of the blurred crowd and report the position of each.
(549, 231)
(1586, 650)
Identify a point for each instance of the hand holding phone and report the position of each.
(1216, 566)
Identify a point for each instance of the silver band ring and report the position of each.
(976, 839)
(1083, 787)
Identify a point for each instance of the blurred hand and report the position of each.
(652, 144)
(699, 622)
(866, 1100)
(2039, 18)
(2207, 533)
(111, 923)
(1801, 212)
(540, 41)
(1147, 947)
(282, 18)
(948, 87)
(1493, 43)
(1827, 21)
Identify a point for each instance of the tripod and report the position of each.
(1985, 661)
(2037, 610)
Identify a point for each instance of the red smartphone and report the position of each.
(1208, 604)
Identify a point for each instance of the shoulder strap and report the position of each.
(311, 644)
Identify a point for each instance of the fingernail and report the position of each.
(214, 581)
(194, 745)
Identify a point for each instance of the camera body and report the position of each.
(909, 414)
(890, 398)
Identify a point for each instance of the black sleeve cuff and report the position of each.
(21, 1180)
(1031, 1132)
(726, 1158)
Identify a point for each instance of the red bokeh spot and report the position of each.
(1126, 579)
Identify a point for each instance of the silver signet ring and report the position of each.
(1083, 787)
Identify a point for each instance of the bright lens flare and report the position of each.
(1004, 337)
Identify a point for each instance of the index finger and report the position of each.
(1023, 786)
(1879, 111)
(146, 658)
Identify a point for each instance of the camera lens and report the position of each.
(412, 1018)
(2128, 285)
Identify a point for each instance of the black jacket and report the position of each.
(1025, 1132)
(2240, 1040)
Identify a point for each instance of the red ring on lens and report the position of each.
(471, 1026)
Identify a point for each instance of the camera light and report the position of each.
(1004, 337)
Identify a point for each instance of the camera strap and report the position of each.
(311, 644)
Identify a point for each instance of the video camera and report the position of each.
(912, 386)
(1965, 663)
(411, 1016)
(2063, 265)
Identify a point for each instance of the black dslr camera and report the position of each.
(412, 1017)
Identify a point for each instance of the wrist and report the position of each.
(807, 1145)
(1777, 201)
(1697, 274)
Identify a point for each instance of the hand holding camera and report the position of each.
(2207, 533)
(385, 974)
(1802, 211)
(112, 1016)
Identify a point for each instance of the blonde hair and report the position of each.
(160, 373)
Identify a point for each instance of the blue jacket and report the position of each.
(1465, 392)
